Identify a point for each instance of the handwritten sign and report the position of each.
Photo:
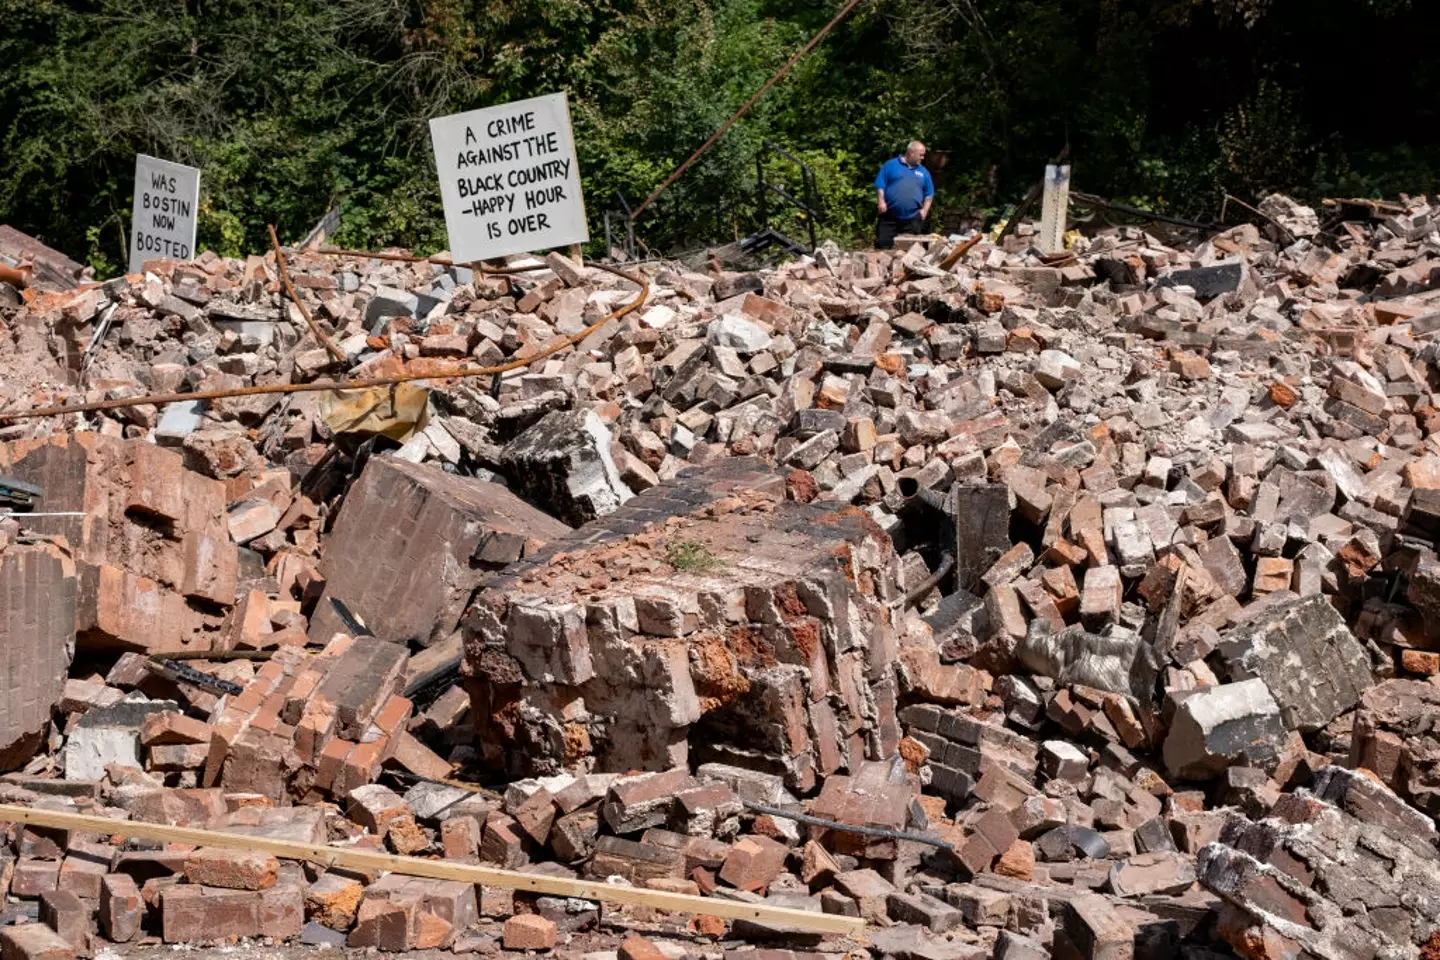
(167, 198)
(509, 179)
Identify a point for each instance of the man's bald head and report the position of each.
(914, 152)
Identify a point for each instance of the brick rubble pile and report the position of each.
(1104, 587)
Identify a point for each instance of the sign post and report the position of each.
(1053, 209)
(167, 201)
(509, 179)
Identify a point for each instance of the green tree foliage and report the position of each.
(292, 105)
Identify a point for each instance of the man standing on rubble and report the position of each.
(904, 191)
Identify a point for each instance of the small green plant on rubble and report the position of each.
(688, 556)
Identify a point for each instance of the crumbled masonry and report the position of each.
(1113, 575)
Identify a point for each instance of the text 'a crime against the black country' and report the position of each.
(517, 194)
(160, 202)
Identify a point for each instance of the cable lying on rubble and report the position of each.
(324, 385)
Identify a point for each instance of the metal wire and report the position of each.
(362, 384)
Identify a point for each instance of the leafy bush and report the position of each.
(293, 105)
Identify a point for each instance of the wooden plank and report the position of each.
(442, 870)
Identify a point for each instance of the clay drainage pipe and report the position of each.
(363, 384)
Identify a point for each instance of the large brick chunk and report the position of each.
(635, 803)
(636, 862)
(412, 543)
(189, 912)
(192, 913)
(742, 644)
(121, 610)
(37, 626)
(1313, 665)
(109, 735)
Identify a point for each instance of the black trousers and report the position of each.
(889, 226)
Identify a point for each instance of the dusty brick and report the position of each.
(638, 948)
(501, 844)
(232, 869)
(170, 728)
(120, 908)
(374, 807)
(432, 932)
(332, 900)
(34, 877)
(68, 916)
(85, 865)
(869, 890)
(414, 756)
(34, 941)
(529, 932)
(460, 839)
(753, 863)
(389, 925)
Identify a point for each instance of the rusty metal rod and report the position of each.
(325, 341)
(960, 251)
(17, 277)
(364, 384)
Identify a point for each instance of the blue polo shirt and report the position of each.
(905, 187)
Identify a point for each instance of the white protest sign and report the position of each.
(167, 199)
(509, 178)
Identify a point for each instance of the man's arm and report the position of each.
(929, 195)
(880, 198)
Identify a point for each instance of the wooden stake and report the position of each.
(441, 870)
(960, 251)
